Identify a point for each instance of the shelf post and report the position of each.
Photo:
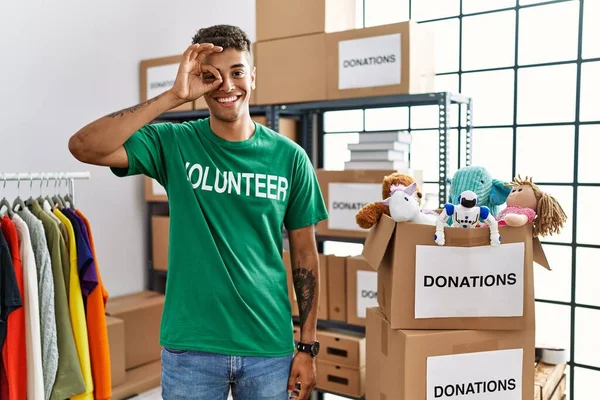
(444, 112)
(469, 131)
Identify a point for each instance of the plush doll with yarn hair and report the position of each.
(527, 203)
(490, 192)
(369, 214)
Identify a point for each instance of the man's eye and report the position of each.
(208, 77)
(239, 73)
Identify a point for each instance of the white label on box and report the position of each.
(369, 62)
(344, 201)
(366, 292)
(159, 79)
(480, 281)
(489, 375)
(158, 189)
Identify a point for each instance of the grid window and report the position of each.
(432, 9)
(446, 37)
(488, 41)
(473, 6)
(548, 33)
(591, 29)
(587, 345)
(540, 156)
(564, 196)
(589, 162)
(424, 153)
(382, 12)
(446, 83)
(492, 94)
(480, 63)
(546, 94)
(556, 284)
(552, 325)
(587, 232)
(590, 87)
(586, 383)
(392, 118)
(335, 146)
(588, 277)
(343, 121)
(493, 148)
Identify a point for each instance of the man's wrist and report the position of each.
(173, 99)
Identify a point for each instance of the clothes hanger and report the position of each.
(57, 199)
(30, 200)
(68, 197)
(5, 207)
(18, 204)
(46, 199)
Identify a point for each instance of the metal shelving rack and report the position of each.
(311, 133)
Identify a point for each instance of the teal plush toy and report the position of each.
(490, 192)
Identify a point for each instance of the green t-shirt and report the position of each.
(228, 201)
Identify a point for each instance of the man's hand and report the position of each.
(194, 78)
(303, 371)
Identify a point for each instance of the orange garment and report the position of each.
(97, 332)
(14, 350)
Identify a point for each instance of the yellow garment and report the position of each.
(77, 311)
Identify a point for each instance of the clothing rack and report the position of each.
(57, 177)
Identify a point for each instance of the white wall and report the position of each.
(67, 62)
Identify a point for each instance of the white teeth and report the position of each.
(227, 100)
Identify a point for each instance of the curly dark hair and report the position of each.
(225, 36)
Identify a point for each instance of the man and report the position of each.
(232, 184)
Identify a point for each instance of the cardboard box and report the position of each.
(380, 60)
(141, 314)
(116, 344)
(344, 348)
(139, 380)
(430, 364)
(276, 19)
(559, 391)
(158, 75)
(345, 193)
(336, 277)
(548, 380)
(341, 380)
(295, 69)
(361, 289)
(200, 103)
(465, 284)
(154, 191)
(160, 242)
(287, 126)
(323, 278)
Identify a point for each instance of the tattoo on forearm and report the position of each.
(305, 285)
(133, 109)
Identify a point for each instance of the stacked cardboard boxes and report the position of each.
(317, 50)
(133, 324)
(452, 320)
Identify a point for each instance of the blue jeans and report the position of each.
(198, 375)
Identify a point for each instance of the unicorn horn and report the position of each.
(411, 189)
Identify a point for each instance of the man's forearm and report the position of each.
(105, 135)
(305, 273)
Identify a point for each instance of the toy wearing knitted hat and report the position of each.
(527, 203)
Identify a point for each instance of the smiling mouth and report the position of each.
(227, 101)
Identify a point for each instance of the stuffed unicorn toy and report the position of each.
(404, 205)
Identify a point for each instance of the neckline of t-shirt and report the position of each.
(205, 124)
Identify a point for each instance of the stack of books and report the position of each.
(380, 151)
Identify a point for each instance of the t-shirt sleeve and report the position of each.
(306, 205)
(147, 150)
